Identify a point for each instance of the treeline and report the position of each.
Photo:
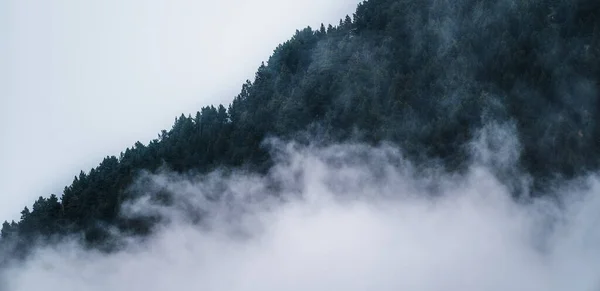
(424, 75)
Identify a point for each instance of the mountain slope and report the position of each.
(424, 75)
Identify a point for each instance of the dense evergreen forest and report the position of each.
(422, 74)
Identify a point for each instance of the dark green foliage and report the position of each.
(422, 74)
(8, 230)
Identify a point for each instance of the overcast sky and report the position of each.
(80, 80)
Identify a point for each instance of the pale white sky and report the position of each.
(80, 80)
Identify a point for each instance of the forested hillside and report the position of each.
(422, 74)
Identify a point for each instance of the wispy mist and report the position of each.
(343, 217)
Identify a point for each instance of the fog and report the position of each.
(80, 80)
(86, 80)
(344, 217)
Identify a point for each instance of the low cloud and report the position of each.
(342, 217)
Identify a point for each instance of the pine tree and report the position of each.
(7, 230)
(347, 22)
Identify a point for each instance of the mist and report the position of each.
(343, 217)
(329, 215)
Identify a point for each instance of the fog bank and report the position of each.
(342, 217)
